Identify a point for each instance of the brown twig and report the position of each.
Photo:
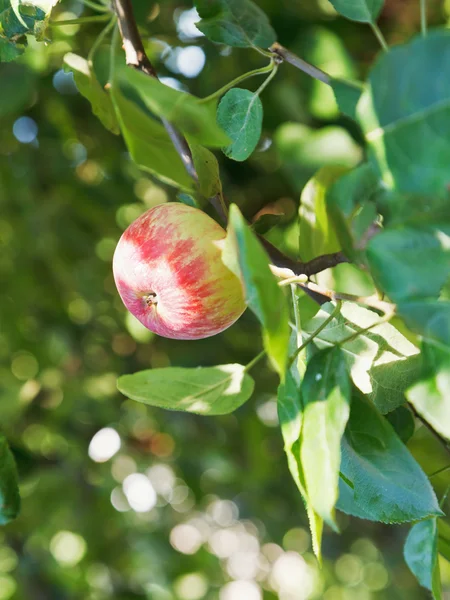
(299, 63)
(137, 58)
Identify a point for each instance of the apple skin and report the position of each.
(170, 275)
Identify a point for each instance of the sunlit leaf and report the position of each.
(204, 390)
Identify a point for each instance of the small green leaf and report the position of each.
(408, 128)
(195, 120)
(347, 95)
(316, 231)
(148, 142)
(244, 255)
(291, 419)
(325, 392)
(207, 169)
(364, 11)
(238, 23)
(421, 555)
(90, 88)
(430, 395)
(240, 114)
(9, 484)
(205, 390)
(9, 51)
(402, 420)
(350, 208)
(266, 221)
(381, 480)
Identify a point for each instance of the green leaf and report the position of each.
(9, 51)
(350, 208)
(325, 392)
(266, 221)
(195, 120)
(391, 380)
(347, 94)
(207, 169)
(408, 128)
(411, 262)
(91, 89)
(382, 345)
(148, 142)
(244, 255)
(205, 390)
(291, 420)
(316, 232)
(9, 484)
(381, 480)
(430, 396)
(17, 20)
(240, 115)
(402, 420)
(429, 317)
(238, 23)
(364, 11)
(421, 555)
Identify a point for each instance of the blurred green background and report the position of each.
(120, 500)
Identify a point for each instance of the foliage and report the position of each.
(345, 267)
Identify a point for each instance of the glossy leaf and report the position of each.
(240, 114)
(421, 555)
(238, 23)
(244, 255)
(205, 390)
(375, 459)
(316, 232)
(364, 11)
(408, 129)
(148, 142)
(347, 94)
(195, 120)
(430, 396)
(90, 88)
(290, 415)
(9, 484)
(325, 392)
(382, 345)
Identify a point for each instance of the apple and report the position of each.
(170, 275)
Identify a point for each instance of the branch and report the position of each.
(299, 63)
(137, 58)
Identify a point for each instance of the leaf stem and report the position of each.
(439, 471)
(237, 80)
(294, 60)
(379, 36)
(95, 6)
(95, 46)
(267, 81)
(336, 311)
(294, 279)
(253, 362)
(423, 17)
(81, 20)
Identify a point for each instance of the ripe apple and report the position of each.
(169, 273)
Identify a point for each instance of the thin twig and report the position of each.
(137, 58)
(299, 63)
(370, 301)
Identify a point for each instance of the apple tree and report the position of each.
(358, 372)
